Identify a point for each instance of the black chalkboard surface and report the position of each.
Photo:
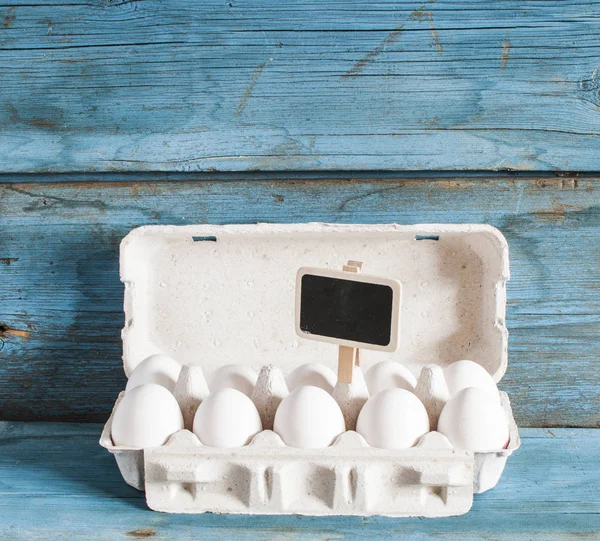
(347, 308)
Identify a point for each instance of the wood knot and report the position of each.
(5, 331)
(142, 534)
(591, 86)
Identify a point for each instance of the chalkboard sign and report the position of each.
(346, 308)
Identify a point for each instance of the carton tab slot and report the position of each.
(209, 238)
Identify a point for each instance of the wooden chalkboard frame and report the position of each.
(395, 285)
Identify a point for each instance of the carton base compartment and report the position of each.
(348, 478)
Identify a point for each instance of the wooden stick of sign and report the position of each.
(348, 356)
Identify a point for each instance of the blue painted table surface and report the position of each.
(57, 483)
(188, 85)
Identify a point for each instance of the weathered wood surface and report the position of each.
(180, 85)
(57, 483)
(61, 300)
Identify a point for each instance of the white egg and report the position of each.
(389, 375)
(393, 419)
(159, 369)
(315, 374)
(146, 416)
(473, 420)
(309, 418)
(227, 418)
(463, 374)
(233, 376)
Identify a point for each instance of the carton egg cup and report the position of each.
(216, 295)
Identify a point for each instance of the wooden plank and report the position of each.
(61, 301)
(57, 483)
(177, 85)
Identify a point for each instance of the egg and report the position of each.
(315, 374)
(159, 369)
(473, 420)
(146, 416)
(462, 374)
(309, 418)
(389, 375)
(226, 418)
(393, 419)
(233, 376)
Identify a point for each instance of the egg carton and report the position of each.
(347, 478)
(177, 281)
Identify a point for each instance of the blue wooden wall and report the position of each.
(61, 306)
(115, 114)
(189, 85)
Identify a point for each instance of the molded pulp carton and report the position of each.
(216, 295)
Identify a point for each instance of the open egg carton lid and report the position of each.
(216, 295)
(222, 294)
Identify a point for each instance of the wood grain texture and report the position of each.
(61, 302)
(182, 85)
(57, 483)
